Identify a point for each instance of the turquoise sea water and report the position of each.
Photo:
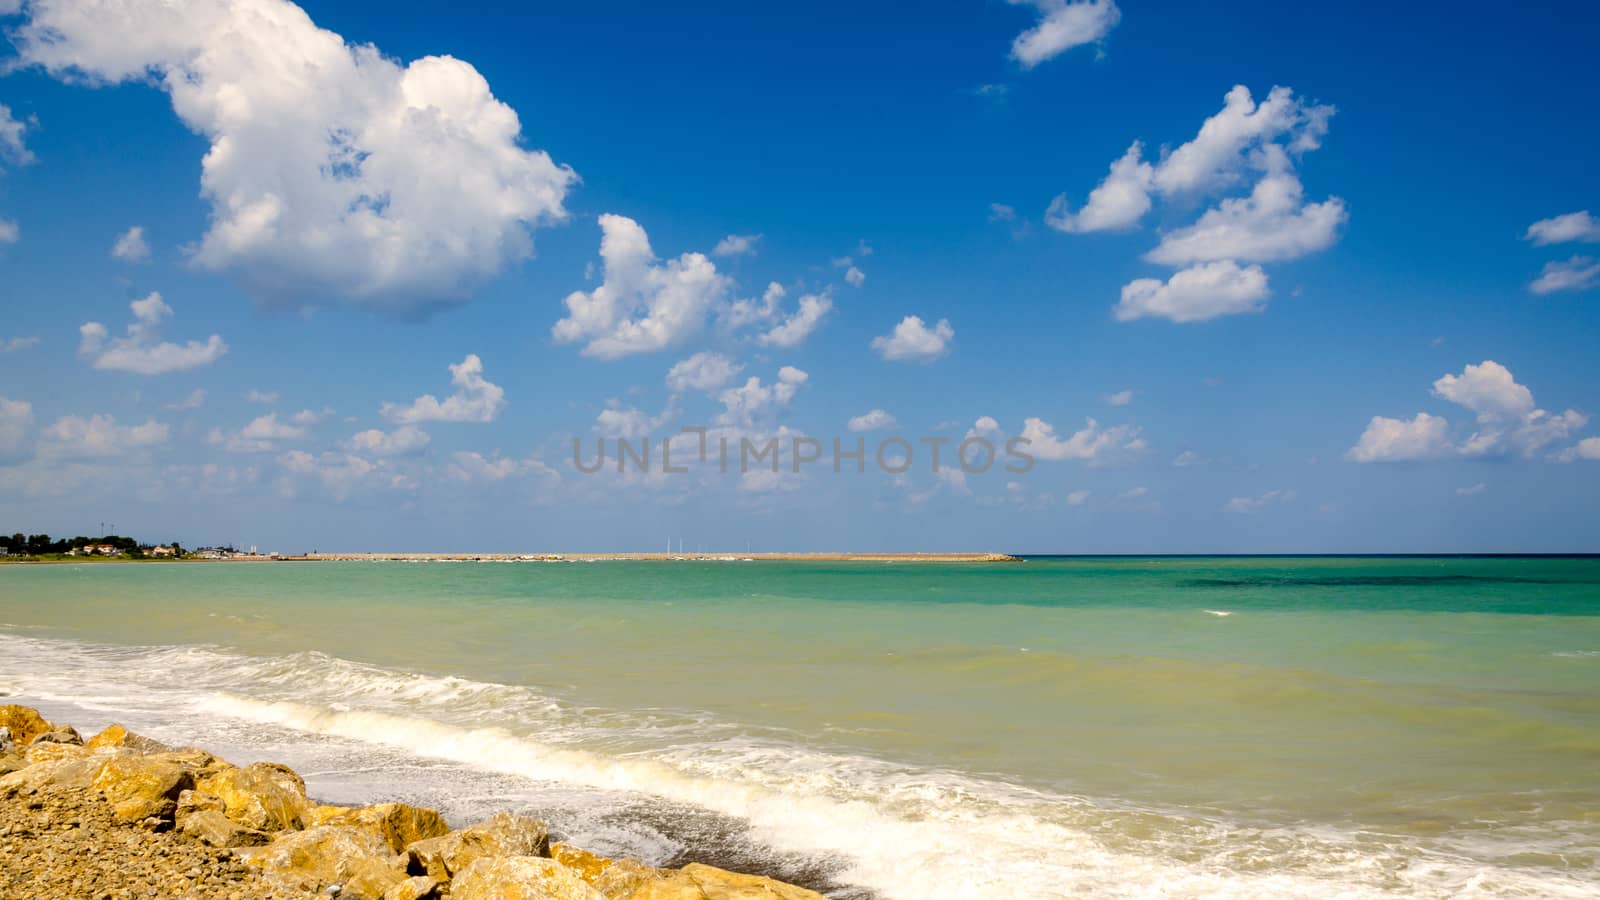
(1058, 727)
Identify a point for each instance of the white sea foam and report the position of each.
(902, 831)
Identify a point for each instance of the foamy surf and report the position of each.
(893, 830)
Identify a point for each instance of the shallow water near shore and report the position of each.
(1057, 727)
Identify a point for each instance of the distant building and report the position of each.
(163, 550)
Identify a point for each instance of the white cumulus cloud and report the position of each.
(1200, 292)
(141, 350)
(407, 440)
(332, 168)
(1575, 274)
(704, 371)
(794, 329)
(1399, 440)
(262, 435)
(913, 341)
(476, 399)
(1588, 448)
(1119, 201)
(1273, 223)
(736, 245)
(1508, 422)
(130, 246)
(1574, 226)
(1093, 443)
(1063, 24)
(873, 420)
(1245, 143)
(643, 305)
(99, 437)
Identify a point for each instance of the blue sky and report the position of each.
(1321, 322)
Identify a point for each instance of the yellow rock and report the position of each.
(69, 772)
(118, 736)
(212, 827)
(504, 834)
(698, 882)
(263, 796)
(139, 787)
(586, 864)
(50, 751)
(354, 858)
(417, 887)
(611, 877)
(25, 723)
(520, 878)
(398, 824)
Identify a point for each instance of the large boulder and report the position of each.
(417, 887)
(24, 723)
(42, 750)
(399, 824)
(139, 787)
(200, 815)
(65, 772)
(520, 878)
(611, 877)
(699, 882)
(503, 834)
(118, 736)
(11, 762)
(62, 734)
(263, 796)
(355, 859)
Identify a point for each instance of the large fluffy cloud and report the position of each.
(794, 329)
(99, 437)
(1120, 201)
(1062, 26)
(1508, 422)
(1575, 274)
(1574, 226)
(141, 350)
(1245, 143)
(1195, 294)
(643, 305)
(1400, 440)
(913, 341)
(1093, 444)
(130, 246)
(476, 399)
(333, 169)
(407, 440)
(1273, 223)
(704, 371)
(262, 435)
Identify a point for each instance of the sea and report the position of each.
(1055, 727)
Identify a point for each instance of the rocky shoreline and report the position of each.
(121, 816)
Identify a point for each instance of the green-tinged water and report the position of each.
(1245, 726)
